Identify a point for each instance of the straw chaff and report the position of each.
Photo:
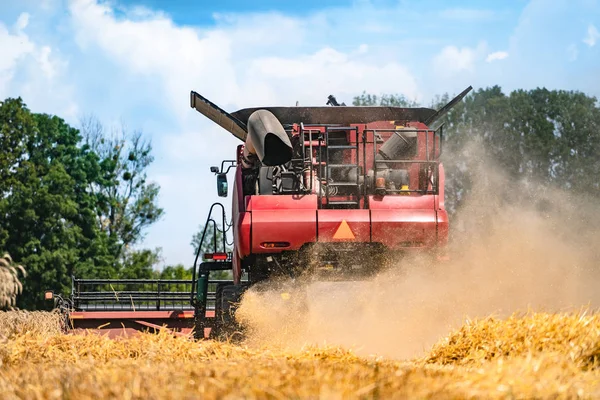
(532, 356)
(16, 323)
(574, 336)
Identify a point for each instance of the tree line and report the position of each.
(77, 201)
(74, 201)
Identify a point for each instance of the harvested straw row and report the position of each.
(167, 368)
(576, 336)
(17, 323)
(36, 365)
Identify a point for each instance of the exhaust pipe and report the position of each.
(266, 140)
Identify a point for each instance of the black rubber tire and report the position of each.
(228, 299)
(215, 331)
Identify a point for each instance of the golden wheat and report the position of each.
(15, 323)
(575, 337)
(10, 285)
(536, 355)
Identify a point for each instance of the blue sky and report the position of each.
(136, 61)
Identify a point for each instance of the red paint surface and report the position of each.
(148, 315)
(294, 226)
(397, 221)
(398, 229)
(413, 202)
(130, 323)
(282, 202)
(357, 220)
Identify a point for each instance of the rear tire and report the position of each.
(215, 331)
(228, 297)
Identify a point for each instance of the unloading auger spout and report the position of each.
(264, 137)
(267, 140)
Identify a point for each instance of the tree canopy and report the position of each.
(69, 205)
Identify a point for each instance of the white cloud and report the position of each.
(22, 22)
(327, 70)
(37, 69)
(14, 49)
(453, 60)
(592, 36)
(535, 41)
(497, 55)
(362, 49)
(241, 63)
(45, 62)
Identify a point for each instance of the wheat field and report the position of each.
(532, 355)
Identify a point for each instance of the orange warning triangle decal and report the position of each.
(343, 231)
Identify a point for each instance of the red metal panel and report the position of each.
(399, 229)
(329, 222)
(404, 221)
(130, 323)
(130, 314)
(443, 227)
(441, 185)
(412, 202)
(241, 238)
(114, 333)
(244, 233)
(282, 202)
(284, 225)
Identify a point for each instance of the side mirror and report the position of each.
(222, 185)
(214, 170)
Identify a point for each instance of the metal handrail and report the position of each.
(196, 266)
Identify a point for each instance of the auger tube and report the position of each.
(266, 140)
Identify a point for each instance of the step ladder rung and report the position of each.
(342, 147)
(341, 128)
(342, 184)
(343, 165)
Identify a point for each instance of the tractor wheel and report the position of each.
(215, 331)
(228, 297)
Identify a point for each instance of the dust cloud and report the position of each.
(516, 246)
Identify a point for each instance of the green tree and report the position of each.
(213, 237)
(178, 271)
(47, 214)
(391, 100)
(127, 202)
(72, 204)
(212, 240)
(139, 264)
(550, 137)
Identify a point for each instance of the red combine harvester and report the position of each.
(325, 192)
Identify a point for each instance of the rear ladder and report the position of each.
(354, 187)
